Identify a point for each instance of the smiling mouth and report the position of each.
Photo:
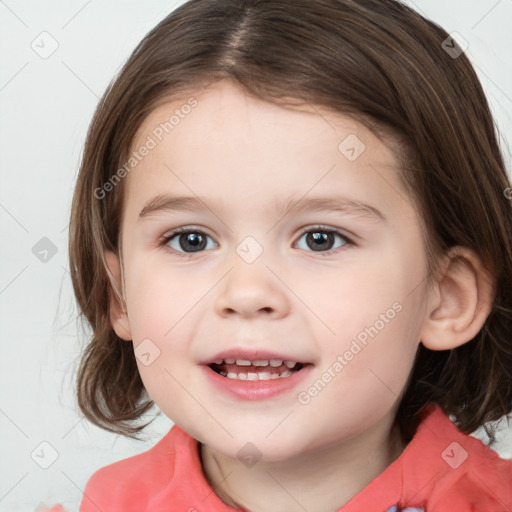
(256, 370)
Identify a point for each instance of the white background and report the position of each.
(45, 108)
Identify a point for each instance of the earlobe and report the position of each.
(118, 314)
(460, 303)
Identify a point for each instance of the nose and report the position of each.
(252, 290)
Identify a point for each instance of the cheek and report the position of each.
(162, 305)
(342, 304)
(157, 297)
(374, 313)
(158, 304)
(364, 373)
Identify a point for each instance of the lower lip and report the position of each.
(256, 389)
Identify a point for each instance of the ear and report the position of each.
(118, 314)
(460, 302)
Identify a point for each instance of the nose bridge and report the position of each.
(250, 287)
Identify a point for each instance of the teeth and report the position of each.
(256, 376)
(259, 362)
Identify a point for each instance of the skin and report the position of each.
(241, 155)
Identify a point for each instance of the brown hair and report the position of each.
(377, 61)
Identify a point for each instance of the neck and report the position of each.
(319, 481)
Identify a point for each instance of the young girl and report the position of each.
(292, 233)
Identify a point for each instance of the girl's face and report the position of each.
(330, 282)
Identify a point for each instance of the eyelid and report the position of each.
(350, 237)
(185, 229)
(169, 235)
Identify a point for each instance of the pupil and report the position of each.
(196, 241)
(319, 238)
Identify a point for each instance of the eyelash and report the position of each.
(323, 229)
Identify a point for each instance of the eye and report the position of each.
(187, 240)
(321, 239)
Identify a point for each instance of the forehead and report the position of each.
(224, 136)
(225, 108)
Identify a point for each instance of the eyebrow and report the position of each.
(340, 204)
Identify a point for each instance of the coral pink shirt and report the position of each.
(440, 470)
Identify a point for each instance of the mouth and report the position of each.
(241, 369)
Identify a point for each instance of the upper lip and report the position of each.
(251, 355)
